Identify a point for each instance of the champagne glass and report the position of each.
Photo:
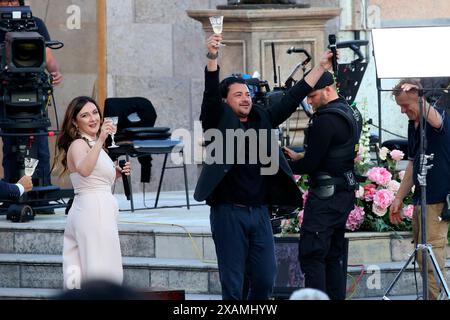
(30, 166)
(114, 120)
(217, 24)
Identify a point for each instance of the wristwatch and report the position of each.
(212, 56)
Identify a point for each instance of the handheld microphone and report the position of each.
(332, 46)
(126, 186)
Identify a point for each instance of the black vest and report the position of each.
(341, 153)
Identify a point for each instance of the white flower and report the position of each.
(383, 153)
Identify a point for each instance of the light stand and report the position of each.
(396, 50)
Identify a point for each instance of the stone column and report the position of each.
(248, 35)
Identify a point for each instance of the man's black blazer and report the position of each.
(9, 191)
(215, 114)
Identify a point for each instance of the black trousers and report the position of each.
(245, 247)
(321, 244)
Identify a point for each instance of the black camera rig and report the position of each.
(25, 92)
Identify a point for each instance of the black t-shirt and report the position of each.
(243, 184)
(438, 144)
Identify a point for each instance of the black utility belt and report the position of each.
(325, 186)
(338, 182)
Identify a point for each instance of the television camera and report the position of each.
(25, 93)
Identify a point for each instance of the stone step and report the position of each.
(373, 281)
(45, 271)
(169, 241)
(195, 277)
(172, 241)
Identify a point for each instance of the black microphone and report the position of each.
(126, 186)
(295, 50)
(300, 50)
(332, 46)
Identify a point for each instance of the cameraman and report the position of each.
(10, 166)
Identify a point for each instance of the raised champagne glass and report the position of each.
(114, 121)
(217, 25)
(30, 166)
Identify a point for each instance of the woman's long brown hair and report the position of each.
(69, 132)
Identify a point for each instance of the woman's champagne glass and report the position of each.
(114, 121)
(30, 166)
(217, 25)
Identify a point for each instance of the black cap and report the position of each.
(326, 79)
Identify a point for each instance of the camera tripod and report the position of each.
(426, 250)
(424, 247)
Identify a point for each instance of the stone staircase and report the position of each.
(174, 250)
(161, 257)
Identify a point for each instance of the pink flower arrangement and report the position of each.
(355, 218)
(374, 196)
(397, 155)
(383, 198)
(381, 185)
(408, 211)
(369, 191)
(379, 175)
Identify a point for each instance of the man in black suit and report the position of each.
(11, 191)
(240, 188)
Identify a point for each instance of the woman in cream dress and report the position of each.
(91, 238)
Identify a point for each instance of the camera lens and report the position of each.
(27, 53)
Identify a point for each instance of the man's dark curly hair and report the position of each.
(224, 85)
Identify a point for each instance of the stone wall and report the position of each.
(156, 51)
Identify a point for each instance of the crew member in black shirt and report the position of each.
(238, 189)
(330, 148)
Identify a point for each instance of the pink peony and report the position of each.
(393, 186)
(379, 211)
(383, 198)
(379, 175)
(369, 191)
(401, 175)
(305, 197)
(408, 211)
(300, 218)
(355, 218)
(397, 155)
